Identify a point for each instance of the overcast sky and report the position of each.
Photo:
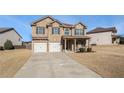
(22, 23)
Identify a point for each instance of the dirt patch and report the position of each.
(12, 60)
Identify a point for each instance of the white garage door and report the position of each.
(40, 47)
(54, 47)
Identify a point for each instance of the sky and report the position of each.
(22, 22)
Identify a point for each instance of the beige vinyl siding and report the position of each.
(104, 38)
(10, 35)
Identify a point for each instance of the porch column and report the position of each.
(47, 46)
(32, 47)
(68, 45)
(87, 43)
(65, 44)
(74, 45)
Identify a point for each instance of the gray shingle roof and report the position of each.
(100, 30)
(6, 29)
(55, 20)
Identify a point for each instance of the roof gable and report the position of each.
(5, 29)
(81, 24)
(36, 21)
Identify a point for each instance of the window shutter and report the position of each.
(52, 30)
(75, 31)
(59, 31)
(36, 30)
(83, 31)
(43, 30)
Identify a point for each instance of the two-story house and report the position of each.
(51, 35)
(103, 36)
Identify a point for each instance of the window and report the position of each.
(19, 39)
(40, 30)
(55, 30)
(79, 32)
(66, 31)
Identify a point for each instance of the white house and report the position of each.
(103, 36)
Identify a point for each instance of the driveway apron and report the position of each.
(54, 65)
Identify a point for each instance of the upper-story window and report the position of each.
(19, 39)
(55, 30)
(79, 32)
(66, 31)
(40, 30)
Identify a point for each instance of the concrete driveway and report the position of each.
(53, 65)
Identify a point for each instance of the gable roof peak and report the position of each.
(81, 24)
(36, 21)
(40, 19)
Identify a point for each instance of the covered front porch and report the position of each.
(115, 39)
(73, 43)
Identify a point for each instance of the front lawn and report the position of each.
(12, 60)
(108, 61)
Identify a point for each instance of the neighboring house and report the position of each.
(9, 34)
(103, 36)
(51, 35)
(121, 39)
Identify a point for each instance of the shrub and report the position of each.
(93, 44)
(8, 45)
(89, 49)
(82, 49)
(1, 48)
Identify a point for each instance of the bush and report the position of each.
(1, 48)
(93, 44)
(82, 49)
(89, 49)
(8, 45)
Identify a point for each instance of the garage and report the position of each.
(40, 47)
(54, 47)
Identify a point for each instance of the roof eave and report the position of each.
(38, 20)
